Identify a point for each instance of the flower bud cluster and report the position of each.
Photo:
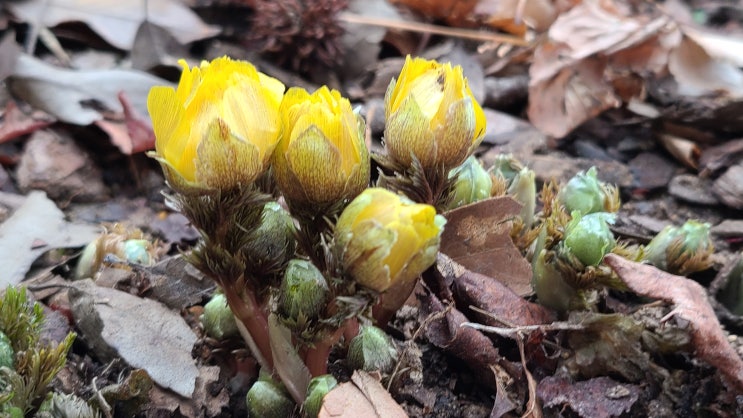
(277, 183)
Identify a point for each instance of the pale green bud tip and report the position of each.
(696, 235)
(304, 290)
(217, 319)
(589, 238)
(316, 391)
(135, 251)
(506, 167)
(267, 399)
(6, 351)
(372, 350)
(473, 183)
(524, 189)
(583, 193)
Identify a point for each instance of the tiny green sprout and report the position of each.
(217, 319)
(319, 387)
(589, 238)
(523, 188)
(372, 350)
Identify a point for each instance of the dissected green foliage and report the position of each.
(19, 320)
(36, 362)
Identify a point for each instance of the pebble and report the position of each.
(54, 163)
(692, 189)
(729, 187)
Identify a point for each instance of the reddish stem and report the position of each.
(351, 329)
(246, 309)
(316, 358)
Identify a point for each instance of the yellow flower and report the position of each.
(321, 158)
(219, 127)
(385, 240)
(431, 113)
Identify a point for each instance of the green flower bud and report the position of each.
(268, 399)
(587, 194)
(6, 351)
(589, 238)
(303, 292)
(217, 319)
(319, 387)
(681, 250)
(523, 188)
(473, 183)
(274, 237)
(372, 350)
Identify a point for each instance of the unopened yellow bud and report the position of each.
(431, 114)
(322, 157)
(220, 126)
(385, 239)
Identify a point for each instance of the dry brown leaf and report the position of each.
(575, 95)
(134, 134)
(37, 226)
(603, 27)
(477, 236)
(492, 296)
(516, 16)
(697, 73)
(692, 304)
(16, 123)
(444, 330)
(116, 21)
(685, 151)
(589, 398)
(592, 50)
(727, 47)
(362, 397)
(143, 332)
(66, 94)
(453, 12)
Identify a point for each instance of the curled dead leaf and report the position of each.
(692, 304)
(478, 236)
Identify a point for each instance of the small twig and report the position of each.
(104, 406)
(522, 329)
(476, 35)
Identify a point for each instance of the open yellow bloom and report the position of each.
(431, 113)
(321, 158)
(219, 127)
(385, 239)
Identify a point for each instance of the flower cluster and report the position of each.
(277, 182)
